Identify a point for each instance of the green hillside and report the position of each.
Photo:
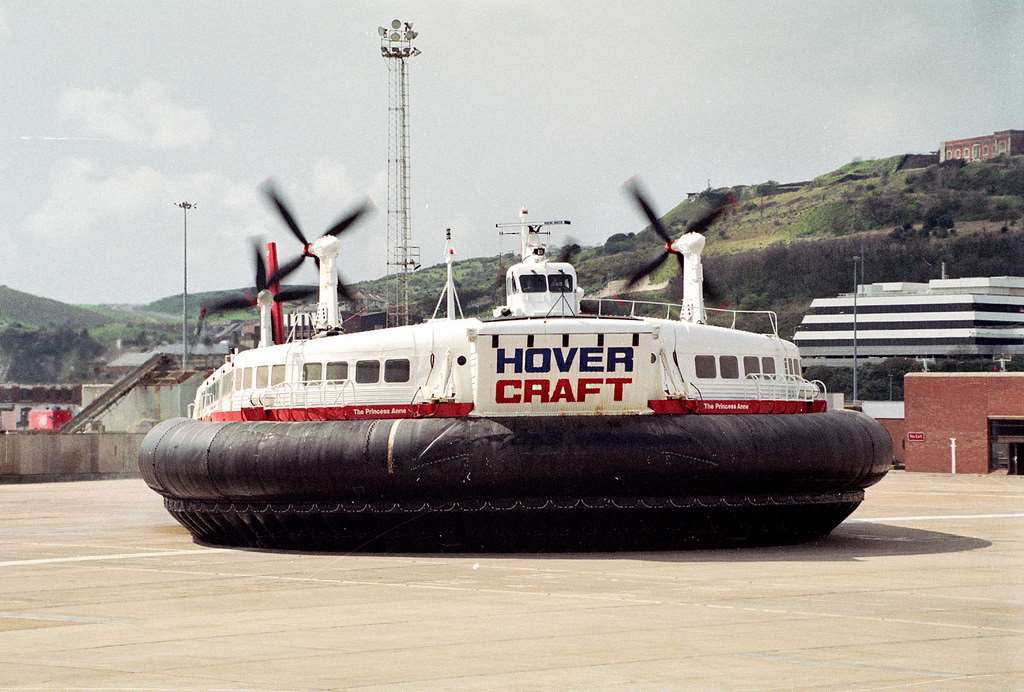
(26, 309)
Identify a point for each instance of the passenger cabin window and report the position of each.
(533, 283)
(261, 376)
(729, 367)
(223, 387)
(560, 283)
(247, 379)
(276, 375)
(367, 371)
(312, 372)
(705, 366)
(396, 370)
(768, 366)
(337, 371)
(751, 365)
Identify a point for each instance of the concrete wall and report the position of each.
(42, 456)
(944, 405)
(146, 405)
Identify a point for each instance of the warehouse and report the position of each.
(964, 422)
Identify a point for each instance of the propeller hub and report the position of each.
(325, 246)
(690, 244)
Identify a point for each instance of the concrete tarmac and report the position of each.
(922, 588)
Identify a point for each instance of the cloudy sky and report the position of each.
(110, 111)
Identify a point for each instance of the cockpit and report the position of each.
(540, 289)
(536, 282)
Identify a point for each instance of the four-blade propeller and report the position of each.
(339, 227)
(700, 225)
(247, 299)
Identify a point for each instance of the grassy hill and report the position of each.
(17, 307)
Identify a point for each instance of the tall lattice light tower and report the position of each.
(402, 257)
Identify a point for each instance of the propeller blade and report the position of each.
(704, 222)
(235, 302)
(682, 268)
(261, 267)
(711, 291)
(343, 291)
(271, 191)
(295, 293)
(633, 187)
(647, 269)
(346, 221)
(285, 269)
(569, 250)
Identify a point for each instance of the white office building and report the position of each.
(980, 317)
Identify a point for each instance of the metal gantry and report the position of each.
(402, 256)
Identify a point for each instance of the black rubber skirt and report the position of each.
(558, 483)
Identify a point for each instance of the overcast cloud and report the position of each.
(114, 110)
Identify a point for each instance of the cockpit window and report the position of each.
(533, 283)
(560, 283)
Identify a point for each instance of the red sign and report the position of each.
(915, 436)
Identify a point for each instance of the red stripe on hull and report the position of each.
(365, 412)
(734, 406)
(455, 410)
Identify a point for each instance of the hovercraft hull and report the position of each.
(476, 483)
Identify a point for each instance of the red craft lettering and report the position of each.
(617, 384)
(501, 388)
(588, 385)
(535, 388)
(562, 392)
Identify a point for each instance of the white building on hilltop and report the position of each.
(979, 317)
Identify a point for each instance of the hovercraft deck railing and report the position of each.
(286, 395)
(763, 387)
(620, 307)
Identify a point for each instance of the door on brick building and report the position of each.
(1006, 445)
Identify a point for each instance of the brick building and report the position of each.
(981, 148)
(983, 412)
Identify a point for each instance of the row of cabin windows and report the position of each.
(539, 283)
(728, 367)
(396, 370)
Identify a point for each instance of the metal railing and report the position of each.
(286, 395)
(619, 307)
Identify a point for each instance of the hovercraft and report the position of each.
(561, 423)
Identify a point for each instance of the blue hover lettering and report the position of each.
(589, 358)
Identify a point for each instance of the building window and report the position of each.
(261, 376)
(705, 367)
(396, 370)
(367, 371)
(984, 150)
(956, 153)
(729, 367)
(337, 371)
(276, 375)
(312, 372)
(975, 151)
(949, 153)
(751, 365)
(768, 366)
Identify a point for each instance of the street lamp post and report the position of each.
(184, 206)
(856, 259)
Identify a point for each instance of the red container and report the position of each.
(48, 418)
